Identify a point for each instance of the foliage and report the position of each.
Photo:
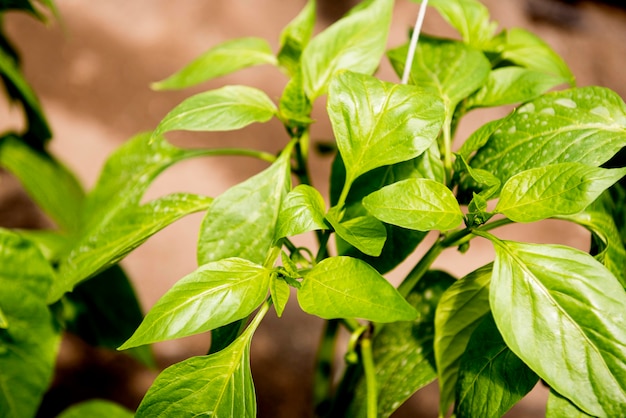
(538, 311)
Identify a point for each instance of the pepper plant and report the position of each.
(537, 312)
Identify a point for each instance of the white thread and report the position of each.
(413, 45)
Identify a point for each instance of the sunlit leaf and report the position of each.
(559, 407)
(302, 211)
(96, 409)
(295, 36)
(364, 233)
(280, 291)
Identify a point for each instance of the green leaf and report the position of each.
(491, 378)
(344, 287)
(295, 36)
(96, 409)
(302, 211)
(4, 322)
(403, 351)
(585, 125)
(217, 385)
(225, 109)
(242, 221)
(469, 17)
(52, 186)
(559, 189)
(419, 204)
(280, 291)
(214, 295)
(356, 42)
(460, 310)
(29, 345)
(559, 407)
(365, 233)
(561, 312)
(224, 336)
(511, 85)
(294, 107)
(378, 123)
(223, 59)
(528, 50)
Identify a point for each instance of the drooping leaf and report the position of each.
(280, 291)
(214, 295)
(29, 343)
(419, 204)
(302, 211)
(469, 17)
(365, 233)
(378, 123)
(559, 407)
(295, 36)
(217, 385)
(344, 287)
(511, 85)
(96, 409)
(491, 378)
(552, 190)
(585, 125)
(461, 308)
(403, 351)
(356, 42)
(242, 221)
(225, 109)
(223, 59)
(561, 312)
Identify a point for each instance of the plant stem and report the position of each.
(370, 376)
(322, 377)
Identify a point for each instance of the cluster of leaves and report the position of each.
(546, 312)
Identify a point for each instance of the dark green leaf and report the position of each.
(355, 42)
(419, 204)
(223, 59)
(561, 312)
(344, 287)
(295, 37)
(214, 295)
(223, 336)
(29, 345)
(242, 221)
(96, 409)
(460, 310)
(225, 109)
(491, 378)
(378, 123)
(559, 407)
(365, 233)
(302, 211)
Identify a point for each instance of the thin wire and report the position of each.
(413, 45)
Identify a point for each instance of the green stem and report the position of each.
(322, 377)
(259, 316)
(370, 377)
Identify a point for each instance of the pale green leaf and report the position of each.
(214, 295)
(562, 313)
(559, 407)
(295, 36)
(491, 377)
(460, 310)
(96, 409)
(294, 107)
(365, 233)
(223, 59)
(52, 186)
(559, 189)
(403, 351)
(585, 125)
(419, 204)
(280, 291)
(225, 109)
(302, 211)
(217, 385)
(356, 42)
(242, 221)
(345, 287)
(511, 85)
(378, 123)
(29, 345)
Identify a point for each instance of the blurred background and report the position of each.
(92, 71)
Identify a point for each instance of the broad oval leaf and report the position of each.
(30, 341)
(241, 222)
(96, 409)
(225, 109)
(460, 310)
(356, 42)
(378, 123)
(585, 125)
(217, 385)
(302, 211)
(562, 313)
(419, 204)
(295, 36)
(345, 287)
(214, 295)
(559, 189)
(491, 377)
(220, 60)
(365, 233)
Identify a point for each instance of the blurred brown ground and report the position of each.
(92, 73)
